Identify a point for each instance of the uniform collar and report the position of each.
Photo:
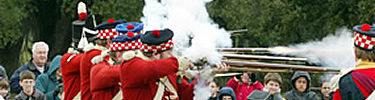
(101, 48)
(364, 64)
(141, 55)
(111, 61)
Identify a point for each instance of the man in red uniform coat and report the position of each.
(106, 31)
(151, 73)
(359, 83)
(105, 75)
(70, 73)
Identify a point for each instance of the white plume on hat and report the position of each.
(81, 7)
(82, 12)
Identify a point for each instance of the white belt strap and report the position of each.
(164, 82)
(160, 91)
(78, 96)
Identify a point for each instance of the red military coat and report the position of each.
(358, 84)
(70, 71)
(85, 68)
(185, 90)
(105, 79)
(140, 79)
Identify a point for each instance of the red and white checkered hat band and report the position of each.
(120, 33)
(140, 32)
(364, 41)
(129, 45)
(152, 48)
(107, 34)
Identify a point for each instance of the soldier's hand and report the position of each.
(184, 64)
(221, 67)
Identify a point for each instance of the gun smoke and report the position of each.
(335, 50)
(195, 34)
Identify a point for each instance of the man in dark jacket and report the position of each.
(301, 87)
(37, 65)
(47, 82)
(226, 93)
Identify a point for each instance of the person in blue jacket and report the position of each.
(47, 82)
(226, 93)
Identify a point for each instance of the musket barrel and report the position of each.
(257, 57)
(243, 49)
(278, 66)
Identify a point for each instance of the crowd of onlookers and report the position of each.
(247, 88)
(35, 80)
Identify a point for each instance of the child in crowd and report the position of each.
(59, 91)
(214, 89)
(27, 82)
(226, 93)
(301, 87)
(244, 85)
(4, 89)
(325, 90)
(271, 90)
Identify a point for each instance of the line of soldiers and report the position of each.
(126, 64)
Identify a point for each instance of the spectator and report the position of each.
(214, 89)
(271, 91)
(36, 65)
(3, 73)
(301, 87)
(47, 82)
(244, 86)
(27, 82)
(226, 93)
(59, 92)
(4, 89)
(325, 90)
(4, 78)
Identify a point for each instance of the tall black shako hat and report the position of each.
(364, 37)
(157, 40)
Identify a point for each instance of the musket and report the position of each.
(268, 67)
(258, 57)
(237, 32)
(243, 49)
(273, 50)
